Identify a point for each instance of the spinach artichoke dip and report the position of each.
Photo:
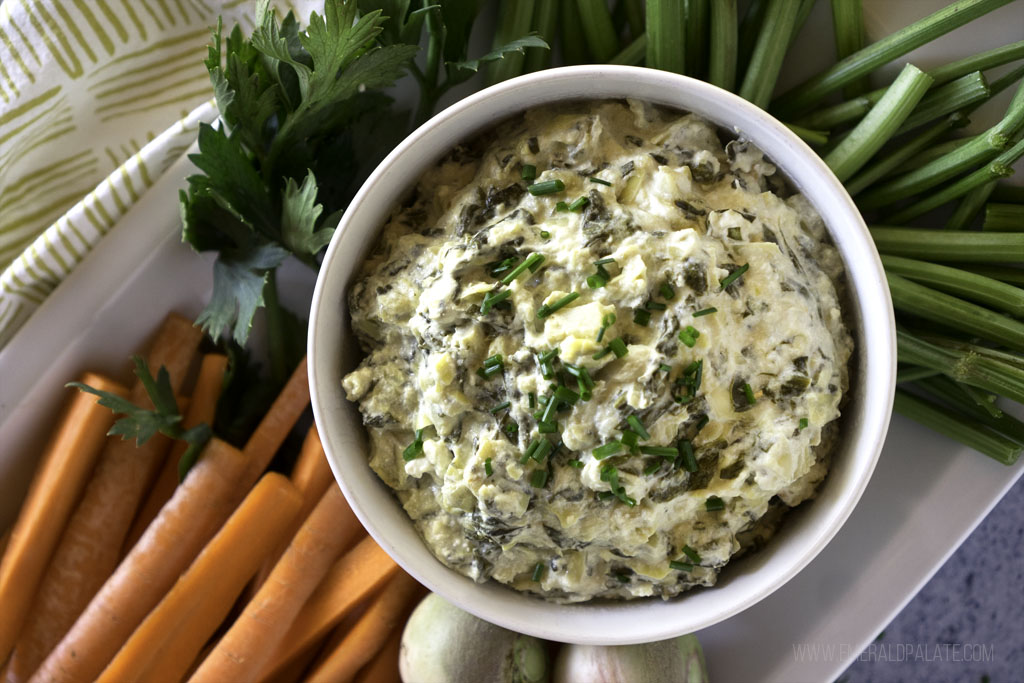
(604, 352)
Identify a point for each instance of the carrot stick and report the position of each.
(384, 667)
(371, 632)
(278, 422)
(358, 573)
(164, 646)
(63, 471)
(90, 546)
(201, 408)
(196, 511)
(249, 644)
(311, 475)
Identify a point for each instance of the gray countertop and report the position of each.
(967, 623)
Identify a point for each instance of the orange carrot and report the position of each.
(249, 644)
(196, 511)
(201, 408)
(311, 476)
(164, 646)
(384, 667)
(278, 422)
(358, 573)
(384, 615)
(63, 471)
(90, 546)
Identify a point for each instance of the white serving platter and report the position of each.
(926, 496)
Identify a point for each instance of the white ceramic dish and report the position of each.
(332, 351)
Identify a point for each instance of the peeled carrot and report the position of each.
(311, 476)
(357, 574)
(63, 471)
(249, 644)
(383, 668)
(164, 646)
(196, 511)
(90, 546)
(278, 422)
(384, 615)
(201, 408)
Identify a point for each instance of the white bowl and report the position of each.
(333, 351)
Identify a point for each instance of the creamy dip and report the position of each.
(604, 352)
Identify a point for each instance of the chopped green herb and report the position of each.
(630, 438)
(642, 317)
(655, 306)
(618, 347)
(608, 319)
(686, 458)
(688, 335)
(637, 426)
(610, 448)
(561, 206)
(528, 453)
(488, 470)
(714, 503)
(665, 368)
(692, 554)
(681, 566)
(602, 353)
(493, 298)
(548, 355)
(547, 309)
(532, 400)
(487, 372)
(611, 475)
(577, 463)
(578, 204)
(667, 291)
(538, 571)
(544, 234)
(749, 394)
(547, 427)
(653, 467)
(705, 311)
(539, 478)
(803, 423)
(415, 449)
(596, 281)
(498, 267)
(662, 451)
(702, 422)
(604, 262)
(595, 179)
(511, 428)
(546, 187)
(529, 171)
(566, 394)
(500, 407)
(542, 451)
(733, 276)
(532, 262)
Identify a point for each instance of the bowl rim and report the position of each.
(575, 622)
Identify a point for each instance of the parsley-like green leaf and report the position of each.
(238, 279)
(464, 69)
(298, 219)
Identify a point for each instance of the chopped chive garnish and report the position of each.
(499, 267)
(689, 335)
(496, 359)
(511, 428)
(549, 410)
(595, 179)
(561, 206)
(546, 187)
(667, 291)
(749, 394)
(566, 394)
(547, 427)
(611, 475)
(528, 453)
(642, 317)
(692, 554)
(733, 276)
(538, 571)
(665, 368)
(539, 478)
(542, 451)
(581, 373)
(630, 438)
(662, 451)
(655, 306)
(493, 298)
(687, 459)
(596, 281)
(548, 355)
(681, 566)
(705, 311)
(698, 374)
(610, 448)
(413, 450)
(585, 393)
(803, 423)
(500, 407)
(608, 319)
(547, 309)
(578, 204)
(604, 262)
(714, 503)
(602, 353)
(544, 234)
(577, 463)
(653, 467)
(532, 262)
(637, 426)
(618, 347)
(605, 495)
(488, 470)
(489, 371)
(529, 171)
(532, 398)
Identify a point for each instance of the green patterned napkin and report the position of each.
(97, 99)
